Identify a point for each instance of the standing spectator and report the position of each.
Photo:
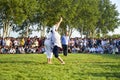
(65, 42)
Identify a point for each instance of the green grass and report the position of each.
(77, 67)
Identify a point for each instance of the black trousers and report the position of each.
(65, 50)
(55, 51)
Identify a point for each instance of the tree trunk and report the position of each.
(70, 32)
(27, 30)
(10, 29)
(81, 33)
(5, 29)
(42, 32)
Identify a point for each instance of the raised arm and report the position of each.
(58, 24)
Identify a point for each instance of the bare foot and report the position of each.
(63, 63)
(49, 62)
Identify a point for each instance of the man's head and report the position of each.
(66, 33)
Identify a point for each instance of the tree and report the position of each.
(108, 19)
(50, 11)
(87, 16)
(16, 12)
(29, 8)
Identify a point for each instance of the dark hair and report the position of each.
(51, 31)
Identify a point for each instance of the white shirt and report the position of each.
(56, 38)
(16, 43)
(92, 49)
(12, 50)
(48, 40)
(8, 42)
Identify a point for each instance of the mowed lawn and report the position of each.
(77, 67)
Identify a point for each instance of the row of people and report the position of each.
(21, 49)
(72, 45)
(94, 45)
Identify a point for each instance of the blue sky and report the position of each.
(75, 33)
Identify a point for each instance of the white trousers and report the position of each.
(48, 48)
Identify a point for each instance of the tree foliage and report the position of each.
(87, 16)
(108, 19)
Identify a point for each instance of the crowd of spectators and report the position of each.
(22, 45)
(92, 45)
(76, 45)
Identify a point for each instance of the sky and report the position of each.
(75, 33)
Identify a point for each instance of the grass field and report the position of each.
(77, 67)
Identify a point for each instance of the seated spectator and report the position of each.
(92, 49)
(8, 42)
(3, 49)
(33, 50)
(100, 50)
(69, 50)
(110, 50)
(22, 42)
(42, 49)
(75, 49)
(16, 42)
(87, 49)
(21, 49)
(35, 43)
(116, 50)
(105, 48)
(12, 50)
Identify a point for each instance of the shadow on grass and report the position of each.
(109, 56)
(21, 62)
(29, 62)
(106, 74)
(113, 66)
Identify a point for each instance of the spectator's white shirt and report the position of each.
(21, 49)
(85, 42)
(8, 42)
(33, 50)
(36, 43)
(92, 49)
(96, 49)
(103, 42)
(115, 41)
(81, 42)
(12, 50)
(116, 49)
(16, 43)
